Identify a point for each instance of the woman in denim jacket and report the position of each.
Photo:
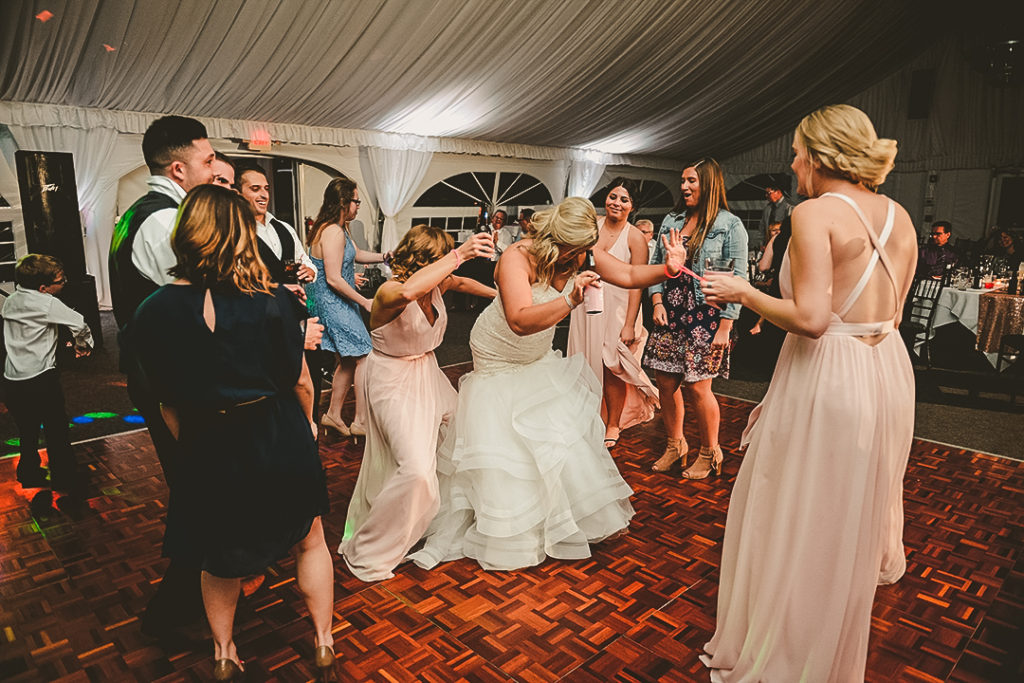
(691, 340)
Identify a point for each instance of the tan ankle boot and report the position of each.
(708, 460)
(675, 449)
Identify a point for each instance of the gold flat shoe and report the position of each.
(328, 422)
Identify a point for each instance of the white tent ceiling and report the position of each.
(645, 77)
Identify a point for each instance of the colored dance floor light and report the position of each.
(638, 610)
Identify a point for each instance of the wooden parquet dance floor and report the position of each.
(72, 584)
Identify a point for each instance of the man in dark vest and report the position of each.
(278, 243)
(179, 157)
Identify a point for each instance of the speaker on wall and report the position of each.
(49, 204)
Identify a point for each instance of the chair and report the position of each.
(918, 316)
(1011, 346)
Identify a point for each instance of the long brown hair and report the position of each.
(420, 247)
(215, 242)
(338, 194)
(712, 200)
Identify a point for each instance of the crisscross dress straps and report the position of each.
(878, 242)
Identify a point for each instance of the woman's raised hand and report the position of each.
(675, 251)
(480, 244)
(582, 281)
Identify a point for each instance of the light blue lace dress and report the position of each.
(344, 330)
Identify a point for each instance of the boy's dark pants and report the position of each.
(41, 400)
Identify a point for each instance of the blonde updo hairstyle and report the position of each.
(842, 141)
(572, 224)
(420, 247)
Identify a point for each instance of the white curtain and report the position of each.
(396, 175)
(584, 176)
(101, 156)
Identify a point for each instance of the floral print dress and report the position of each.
(683, 347)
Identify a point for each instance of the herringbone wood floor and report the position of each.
(72, 585)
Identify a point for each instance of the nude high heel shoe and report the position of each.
(708, 460)
(675, 449)
(328, 422)
(324, 659)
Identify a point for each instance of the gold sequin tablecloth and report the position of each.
(998, 314)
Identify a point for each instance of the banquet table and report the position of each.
(999, 314)
(989, 315)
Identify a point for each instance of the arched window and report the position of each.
(454, 203)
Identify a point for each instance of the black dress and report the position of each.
(250, 480)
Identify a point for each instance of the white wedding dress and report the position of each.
(523, 471)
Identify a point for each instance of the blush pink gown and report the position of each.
(597, 338)
(408, 404)
(816, 516)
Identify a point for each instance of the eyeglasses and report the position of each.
(62, 281)
(937, 233)
(357, 202)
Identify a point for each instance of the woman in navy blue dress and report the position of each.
(336, 299)
(222, 348)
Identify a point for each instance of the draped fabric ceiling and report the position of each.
(584, 84)
(660, 78)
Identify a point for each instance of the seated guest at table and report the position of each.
(937, 254)
(1006, 247)
(221, 348)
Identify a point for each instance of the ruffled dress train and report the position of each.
(523, 471)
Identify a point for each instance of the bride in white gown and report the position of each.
(523, 471)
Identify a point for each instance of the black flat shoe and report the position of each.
(33, 479)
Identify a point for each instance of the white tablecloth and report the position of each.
(960, 306)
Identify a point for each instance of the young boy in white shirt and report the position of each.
(31, 381)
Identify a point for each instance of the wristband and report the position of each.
(668, 274)
(458, 259)
(659, 303)
(568, 300)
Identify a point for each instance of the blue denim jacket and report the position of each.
(727, 238)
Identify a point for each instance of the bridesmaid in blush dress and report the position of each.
(613, 340)
(408, 401)
(816, 516)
